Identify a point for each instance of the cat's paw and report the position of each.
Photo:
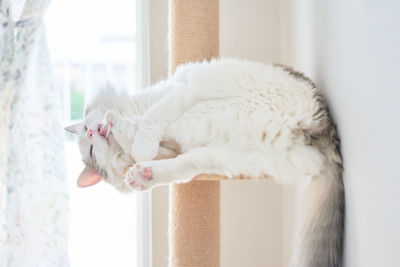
(140, 177)
(109, 121)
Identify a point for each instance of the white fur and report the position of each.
(229, 117)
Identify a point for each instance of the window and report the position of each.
(93, 45)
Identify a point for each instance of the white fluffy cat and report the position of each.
(228, 117)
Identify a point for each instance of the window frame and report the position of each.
(144, 199)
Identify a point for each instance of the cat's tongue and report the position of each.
(88, 177)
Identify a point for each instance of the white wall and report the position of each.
(356, 61)
(251, 217)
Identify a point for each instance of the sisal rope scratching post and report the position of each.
(194, 206)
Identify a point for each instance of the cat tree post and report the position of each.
(195, 206)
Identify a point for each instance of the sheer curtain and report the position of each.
(33, 191)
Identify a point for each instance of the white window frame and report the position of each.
(144, 200)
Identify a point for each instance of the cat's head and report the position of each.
(103, 157)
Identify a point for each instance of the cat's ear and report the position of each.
(74, 128)
(88, 177)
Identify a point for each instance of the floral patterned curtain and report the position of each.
(33, 187)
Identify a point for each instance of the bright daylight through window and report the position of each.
(93, 45)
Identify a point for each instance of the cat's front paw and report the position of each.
(140, 177)
(109, 121)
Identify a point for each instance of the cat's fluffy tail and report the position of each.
(320, 237)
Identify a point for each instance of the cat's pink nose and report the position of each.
(90, 133)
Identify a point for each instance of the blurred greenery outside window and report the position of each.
(77, 104)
